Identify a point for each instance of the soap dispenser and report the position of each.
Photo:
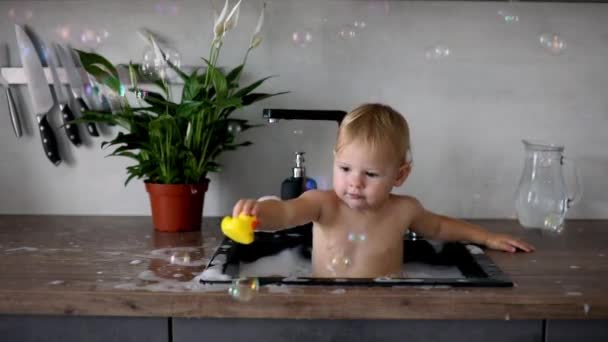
(295, 185)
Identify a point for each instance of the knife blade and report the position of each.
(76, 85)
(12, 109)
(40, 93)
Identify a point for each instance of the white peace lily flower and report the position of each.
(218, 28)
(232, 18)
(256, 39)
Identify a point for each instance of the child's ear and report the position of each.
(404, 171)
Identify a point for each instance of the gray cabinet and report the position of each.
(34, 328)
(38, 328)
(577, 331)
(280, 330)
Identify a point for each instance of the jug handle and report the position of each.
(576, 195)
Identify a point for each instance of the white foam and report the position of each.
(437, 245)
(221, 259)
(474, 249)
(112, 253)
(422, 270)
(212, 273)
(287, 263)
(278, 289)
(181, 256)
(291, 265)
(149, 276)
(22, 249)
(149, 281)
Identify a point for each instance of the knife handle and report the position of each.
(13, 112)
(49, 143)
(106, 106)
(71, 129)
(91, 128)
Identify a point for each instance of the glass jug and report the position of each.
(542, 197)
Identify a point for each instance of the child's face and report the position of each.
(364, 178)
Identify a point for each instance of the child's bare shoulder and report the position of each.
(326, 200)
(409, 203)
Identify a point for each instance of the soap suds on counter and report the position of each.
(21, 249)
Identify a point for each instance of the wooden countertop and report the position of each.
(119, 266)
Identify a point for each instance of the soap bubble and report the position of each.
(553, 43)
(554, 222)
(234, 127)
(357, 237)
(92, 38)
(20, 15)
(339, 263)
(166, 8)
(359, 24)
(244, 289)
(64, 32)
(141, 94)
(155, 66)
(301, 38)
(180, 257)
(347, 32)
(508, 16)
(437, 52)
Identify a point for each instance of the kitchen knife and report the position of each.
(40, 93)
(75, 84)
(71, 129)
(12, 109)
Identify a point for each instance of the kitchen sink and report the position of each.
(283, 257)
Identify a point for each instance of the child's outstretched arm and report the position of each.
(276, 214)
(446, 228)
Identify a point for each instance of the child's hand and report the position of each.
(245, 206)
(507, 243)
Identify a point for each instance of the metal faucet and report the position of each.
(275, 114)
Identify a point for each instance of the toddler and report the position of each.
(358, 226)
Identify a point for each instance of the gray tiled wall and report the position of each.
(468, 112)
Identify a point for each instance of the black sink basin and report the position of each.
(425, 262)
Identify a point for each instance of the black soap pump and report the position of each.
(295, 185)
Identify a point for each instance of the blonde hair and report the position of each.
(379, 126)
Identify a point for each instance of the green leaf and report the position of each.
(90, 58)
(104, 77)
(234, 73)
(175, 142)
(219, 81)
(192, 87)
(162, 85)
(255, 97)
(251, 87)
(177, 70)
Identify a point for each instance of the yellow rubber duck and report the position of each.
(239, 229)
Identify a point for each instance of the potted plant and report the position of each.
(175, 145)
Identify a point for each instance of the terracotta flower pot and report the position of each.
(177, 207)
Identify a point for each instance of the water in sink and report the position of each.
(292, 262)
(284, 258)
